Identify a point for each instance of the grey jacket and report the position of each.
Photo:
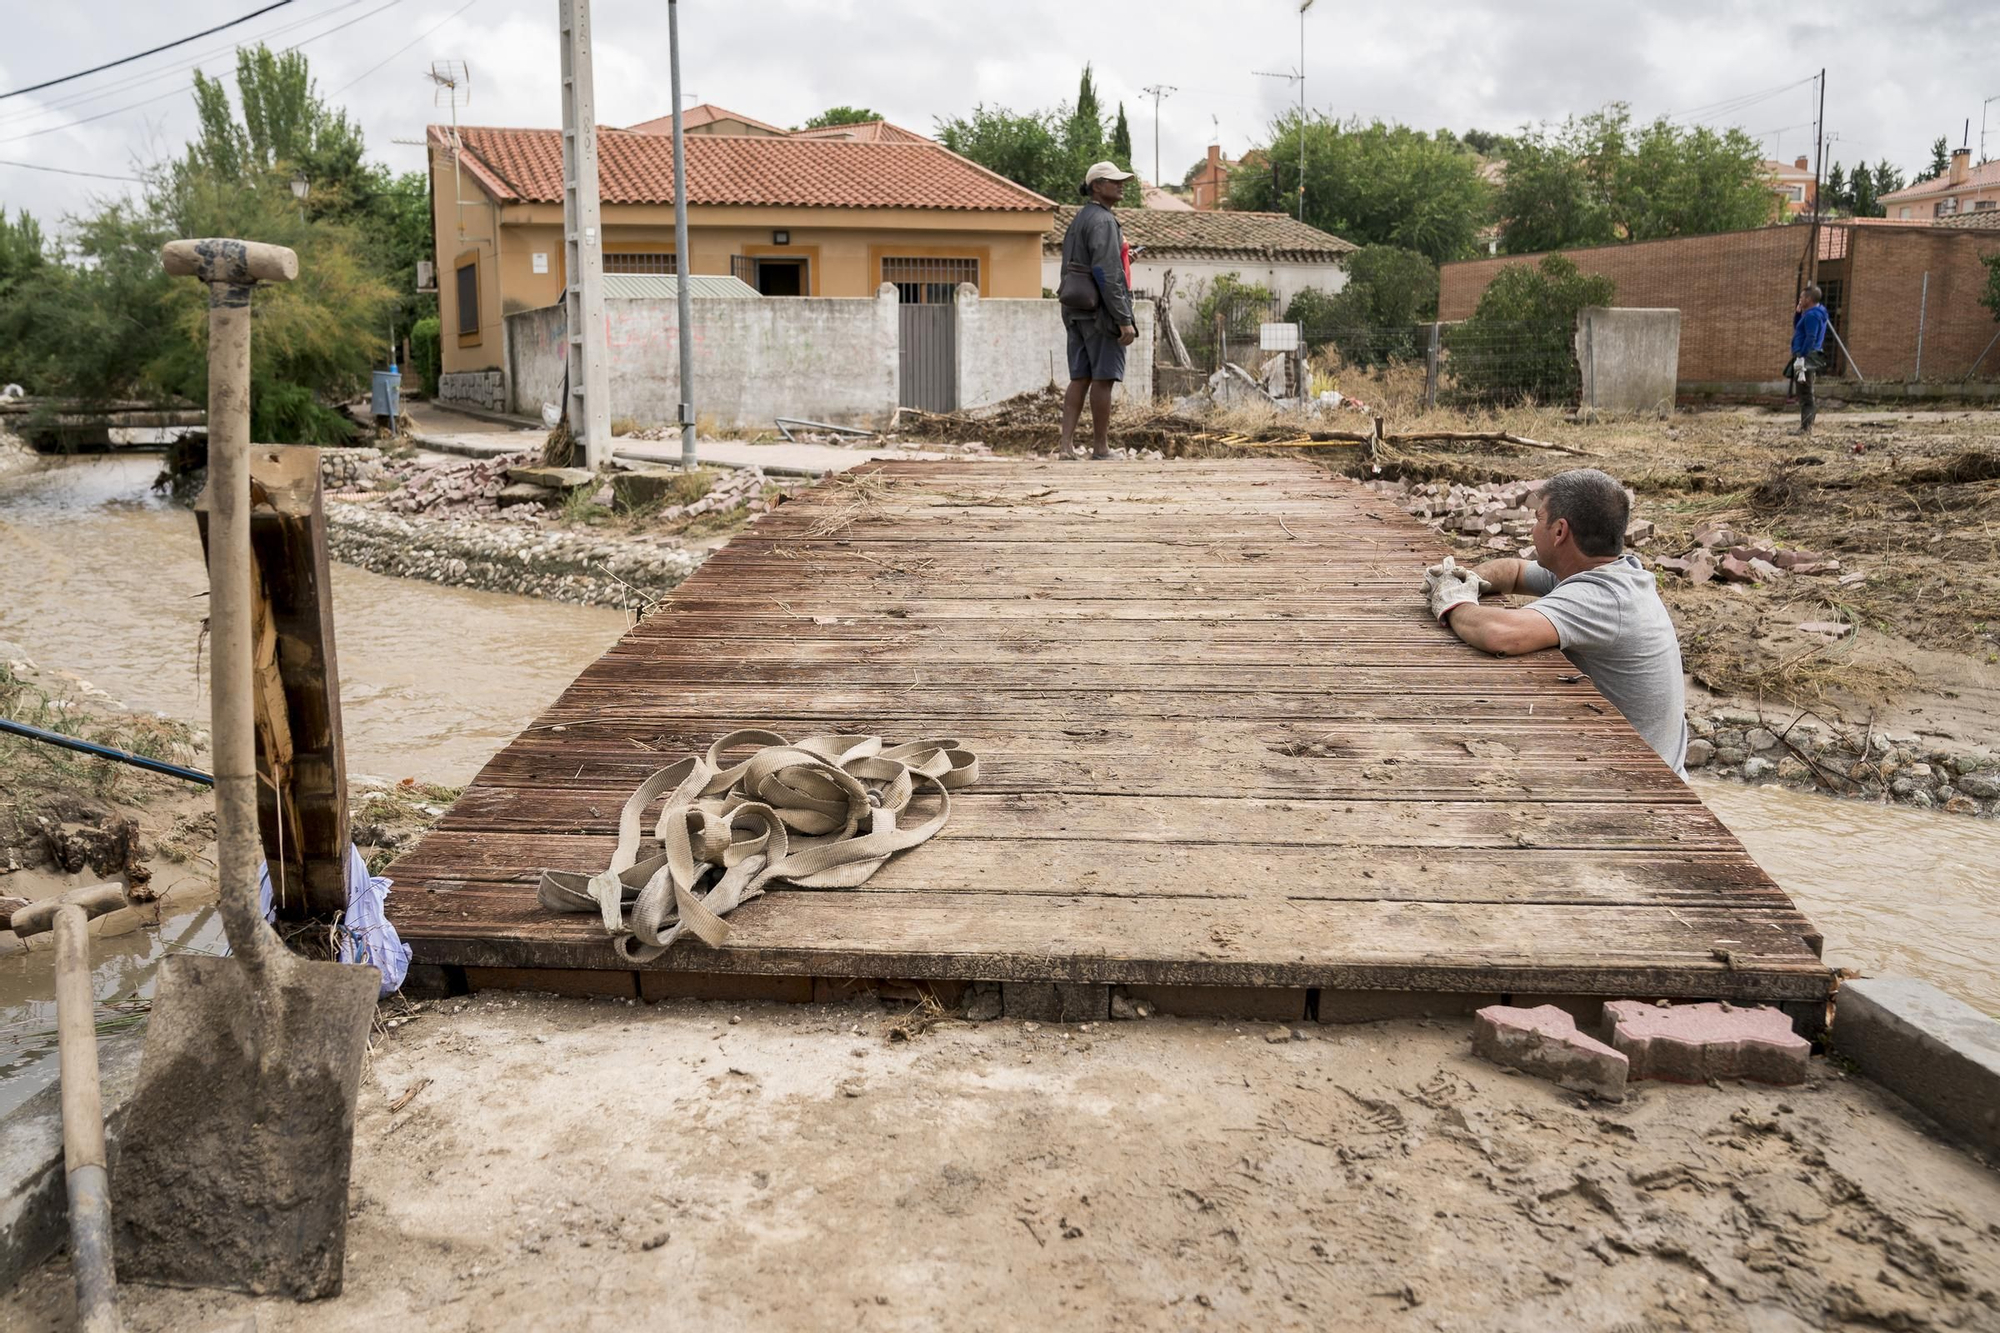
(1095, 241)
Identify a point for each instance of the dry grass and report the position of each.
(853, 497)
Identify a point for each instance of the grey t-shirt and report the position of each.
(1612, 624)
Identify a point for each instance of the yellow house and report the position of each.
(792, 215)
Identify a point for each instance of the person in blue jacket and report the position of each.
(1808, 337)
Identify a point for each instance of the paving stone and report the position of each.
(1693, 1043)
(1544, 1041)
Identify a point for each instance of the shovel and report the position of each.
(232, 1171)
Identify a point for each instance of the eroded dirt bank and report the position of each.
(564, 1164)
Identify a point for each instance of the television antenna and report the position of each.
(453, 80)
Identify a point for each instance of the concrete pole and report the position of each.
(589, 406)
(683, 262)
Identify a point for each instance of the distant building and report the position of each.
(708, 119)
(1267, 250)
(1208, 184)
(1962, 189)
(1794, 187)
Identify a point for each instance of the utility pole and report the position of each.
(683, 262)
(589, 406)
(1159, 90)
(1304, 5)
(1819, 155)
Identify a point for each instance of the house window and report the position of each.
(1983, 205)
(630, 262)
(1796, 193)
(468, 300)
(929, 281)
(1947, 206)
(1903, 212)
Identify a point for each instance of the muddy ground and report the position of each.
(790, 1168)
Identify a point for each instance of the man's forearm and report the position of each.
(1499, 629)
(1504, 574)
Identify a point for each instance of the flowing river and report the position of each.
(101, 577)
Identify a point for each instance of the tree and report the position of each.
(1486, 143)
(1990, 298)
(1861, 193)
(1888, 180)
(1594, 180)
(1518, 343)
(1373, 184)
(1373, 319)
(1940, 158)
(22, 250)
(1835, 197)
(109, 323)
(1121, 141)
(1046, 151)
(842, 115)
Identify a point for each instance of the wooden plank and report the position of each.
(1217, 750)
(302, 800)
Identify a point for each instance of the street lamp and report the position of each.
(301, 187)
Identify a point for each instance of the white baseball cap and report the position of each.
(1105, 171)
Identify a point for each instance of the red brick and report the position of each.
(1693, 1043)
(1544, 1041)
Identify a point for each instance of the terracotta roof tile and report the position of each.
(526, 166)
(697, 116)
(1984, 219)
(1984, 176)
(1170, 234)
(871, 131)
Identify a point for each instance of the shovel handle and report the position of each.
(94, 901)
(83, 1119)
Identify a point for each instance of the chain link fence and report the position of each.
(1464, 363)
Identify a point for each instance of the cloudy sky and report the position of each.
(1900, 72)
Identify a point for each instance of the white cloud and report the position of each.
(1900, 72)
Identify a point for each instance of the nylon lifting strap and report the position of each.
(821, 813)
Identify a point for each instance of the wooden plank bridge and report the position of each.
(1229, 761)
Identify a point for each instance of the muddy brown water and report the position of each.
(101, 577)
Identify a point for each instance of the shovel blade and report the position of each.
(232, 1169)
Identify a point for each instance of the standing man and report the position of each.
(1598, 604)
(1096, 308)
(1808, 337)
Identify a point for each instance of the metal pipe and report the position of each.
(683, 262)
(106, 752)
(83, 1127)
(1844, 352)
(1923, 308)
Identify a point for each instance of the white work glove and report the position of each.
(1449, 585)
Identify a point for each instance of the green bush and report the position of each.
(1375, 318)
(426, 356)
(1519, 342)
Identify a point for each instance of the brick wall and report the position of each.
(1735, 291)
(1886, 292)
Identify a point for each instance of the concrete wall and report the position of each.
(824, 359)
(1630, 358)
(1193, 277)
(1009, 347)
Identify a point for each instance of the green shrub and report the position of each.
(426, 354)
(1375, 318)
(1519, 343)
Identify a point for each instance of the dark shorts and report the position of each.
(1094, 354)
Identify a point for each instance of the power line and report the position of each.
(399, 50)
(65, 171)
(175, 92)
(98, 94)
(113, 64)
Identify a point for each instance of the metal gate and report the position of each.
(927, 347)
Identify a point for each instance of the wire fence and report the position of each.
(1464, 363)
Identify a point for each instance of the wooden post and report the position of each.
(302, 772)
(1375, 443)
(1431, 368)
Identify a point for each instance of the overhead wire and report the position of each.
(65, 171)
(137, 80)
(129, 106)
(126, 60)
(423, 36)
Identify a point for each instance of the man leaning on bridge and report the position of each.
(1597, 603)
(1096, 297)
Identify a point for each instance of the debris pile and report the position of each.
(643, 488)
(1720, 552)
(350, 471)
(1494, 516)
(1811, 753)
(468, 486)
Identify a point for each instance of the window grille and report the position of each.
(929, 281)
(624, 262)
